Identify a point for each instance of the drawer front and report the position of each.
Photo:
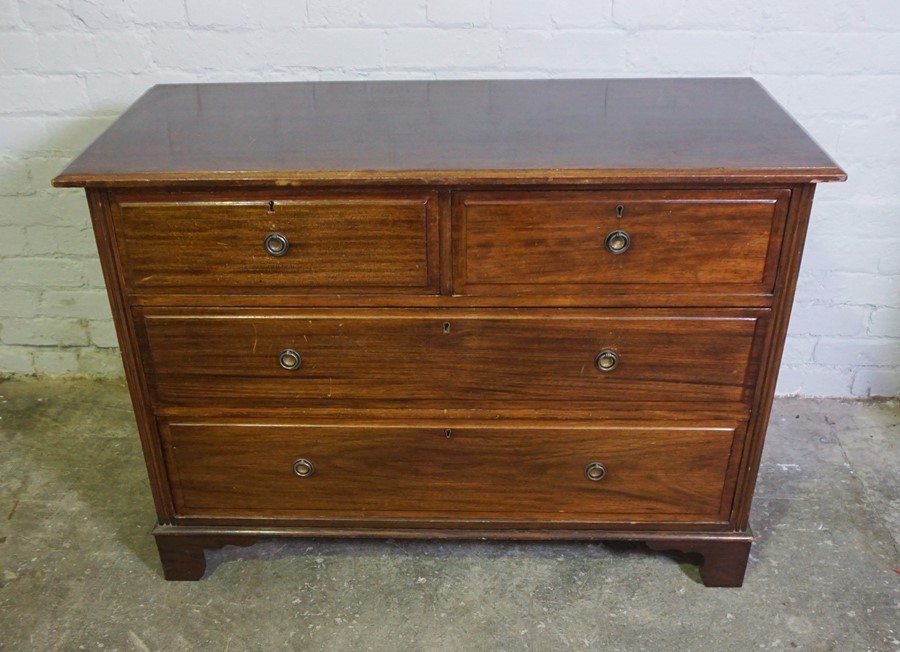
(331, 244)
(687, 242)
(296, 471)
(450, 358)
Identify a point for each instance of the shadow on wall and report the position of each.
(54, 314)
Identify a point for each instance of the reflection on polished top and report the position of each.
(589, 131)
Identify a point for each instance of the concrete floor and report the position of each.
(80, 572)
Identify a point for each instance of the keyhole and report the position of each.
(446, 327)
(448, 433)
(620, 210)
(271, 207)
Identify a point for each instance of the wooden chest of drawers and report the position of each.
(484, 309)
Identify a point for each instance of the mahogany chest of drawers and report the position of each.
(474, 309)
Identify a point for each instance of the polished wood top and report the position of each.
(450, 132)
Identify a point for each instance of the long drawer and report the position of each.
(552, 473)
(509, 243)
(309, 244)
(448, 358)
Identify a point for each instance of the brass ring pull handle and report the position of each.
(276, 244)
(606, 360)
(303, 468)
(617, 242)
(289, 359)
(595, 471)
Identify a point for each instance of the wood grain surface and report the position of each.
(390, 470)
(448, 358)
(336, 243)
(553, 242)
(447, 132)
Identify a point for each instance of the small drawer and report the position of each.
(463, 471)
(450, 358)
(617, 242)
(316, 244)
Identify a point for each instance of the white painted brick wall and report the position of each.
(68, 67)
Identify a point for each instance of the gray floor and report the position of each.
(79, 567)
